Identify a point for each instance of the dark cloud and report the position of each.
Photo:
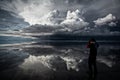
(33, 10)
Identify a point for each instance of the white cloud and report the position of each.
(74, 19)
(35, 11)
(51, 62)
(72, 63)
(105, 20)
(59, 62)
(50, 19)
(105, 60)
(31, 11)
(112, 24)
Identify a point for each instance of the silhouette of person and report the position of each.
(93, 45)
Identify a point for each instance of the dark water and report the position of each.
(12, 40)
(57, 61)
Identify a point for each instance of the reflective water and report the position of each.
(35, 61)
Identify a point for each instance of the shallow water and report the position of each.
(13, 39)
(57, 61)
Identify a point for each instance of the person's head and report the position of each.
(92, 40)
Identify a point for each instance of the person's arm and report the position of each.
(97, 45)
(88, 45)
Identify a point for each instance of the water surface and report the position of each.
(52, 60)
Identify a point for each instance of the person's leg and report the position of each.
(95, 71)
(90, 70)
(95, 67)
(90, 66)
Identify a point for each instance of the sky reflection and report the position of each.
(41, 59)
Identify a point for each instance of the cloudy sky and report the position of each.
(86, 16)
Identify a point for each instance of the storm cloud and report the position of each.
(29, 9)
(63, 12)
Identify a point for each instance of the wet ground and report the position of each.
(35, 61)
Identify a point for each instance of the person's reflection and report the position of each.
(92, 76)
(93, 45)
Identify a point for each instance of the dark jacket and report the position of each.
(93, 49)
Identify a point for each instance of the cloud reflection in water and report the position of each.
(62, 59)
